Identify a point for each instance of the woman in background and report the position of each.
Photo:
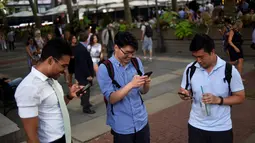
(95, 50)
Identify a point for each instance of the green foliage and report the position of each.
(123, 27)
(183, 29)
(106, 20)
(78, 25)
(46, 29)
(168, 20)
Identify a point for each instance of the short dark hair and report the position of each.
(124, 39)
(57, 48)
(202, 41)
(84, 36)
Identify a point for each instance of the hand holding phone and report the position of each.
(81, 91)
(184, 96)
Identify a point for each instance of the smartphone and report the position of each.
(148, 74)
(183, 94)
(78, 93)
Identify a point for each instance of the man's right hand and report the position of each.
(138, 81)
(186, 96)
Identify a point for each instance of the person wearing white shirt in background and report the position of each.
(40, 98)
(95, 50)
(209, 6)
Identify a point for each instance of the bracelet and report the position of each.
(69, 97)
(221, 100)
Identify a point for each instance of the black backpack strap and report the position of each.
(228, 74)
(189, 73)
(136, 65)
(110, 70)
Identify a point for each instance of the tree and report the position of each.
(34, 10)
(174, 5)
(127, 12)
(69, 9)
(3, 12)
(229, 8)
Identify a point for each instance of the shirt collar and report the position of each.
(219, 64)
(115, 61)
(39, 74)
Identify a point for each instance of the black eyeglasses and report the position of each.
(127, 53)
(63, 66)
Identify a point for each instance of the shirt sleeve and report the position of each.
(105, 81)
(236, 83)
(27, 101)
(143, 28)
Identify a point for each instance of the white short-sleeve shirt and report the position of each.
(35, 97)
(220, 118)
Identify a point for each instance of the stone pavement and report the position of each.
(170, 124)
(162, 102)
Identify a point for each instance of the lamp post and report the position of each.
(160, 41)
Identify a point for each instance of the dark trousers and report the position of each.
(11, 45)
(142, 136)
(85, 99)
(201, 136)
(60, 140)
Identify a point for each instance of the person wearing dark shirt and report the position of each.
(84, 71)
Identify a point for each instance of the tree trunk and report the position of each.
(36, 18)
(69, 9)
(229, 8)
(36, 6)
(174, 5)
(127, 12)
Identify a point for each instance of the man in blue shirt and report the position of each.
(126, 113)
(211, 95)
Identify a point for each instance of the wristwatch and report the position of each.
(69, 97)
(221, 100)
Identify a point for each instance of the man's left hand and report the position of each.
(209, 98)
(147, 81)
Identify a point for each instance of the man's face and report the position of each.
(124, 54)
(204, 59)
(57, 67)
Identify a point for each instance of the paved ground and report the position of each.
(170, 125)
(162, 102)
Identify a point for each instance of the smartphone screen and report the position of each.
(148, 73)
(78, 93)
(183, 94)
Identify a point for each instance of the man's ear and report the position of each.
(50, 60)
(116, 47)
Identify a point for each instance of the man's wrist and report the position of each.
(220, 100)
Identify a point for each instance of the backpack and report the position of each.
(110, 71)
(191, 70)
(148, 31)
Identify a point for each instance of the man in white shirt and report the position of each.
(211, 93)
(39, 97)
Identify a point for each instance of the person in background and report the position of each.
(108, 39)
(11, 82)
(181, 13)
(84, 71)
(39, 41)
(32, 52)
(71, 66)
(95, 50)
(10, 38)
(235, 49)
